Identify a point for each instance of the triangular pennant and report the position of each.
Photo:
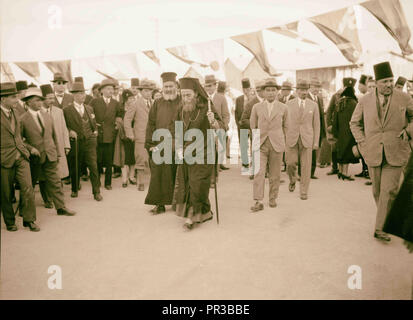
(151, 55)
(290, 30)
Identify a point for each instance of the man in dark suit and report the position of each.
(20, 107)
(81, 123)
(240, 103)
(314, 94)
(59, 85)
(88, 96)
(108, 115)
(286, 93)
(41, 140)
(14, 158)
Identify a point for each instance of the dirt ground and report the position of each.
(116, 249)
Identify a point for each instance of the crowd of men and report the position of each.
(54, 134)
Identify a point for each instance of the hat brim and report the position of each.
(145, 87)
(64, 81)
(77, 91)
(210, 82)
(31, 96)
(107, 85)
(8, 94)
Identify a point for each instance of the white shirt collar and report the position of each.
(48, 110)
(300, 101)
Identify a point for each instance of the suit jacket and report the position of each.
(283, 99)
(307, 127)
(11, 141)
(221, 107)
(239, 109)
(136, 119)
(375, 137)
(321, 113)
(45, 143)
(74, 121)
(63, 141)
(273, 126)
(67, 99)
(106, 118)
(19, 108)
(88, 99)
(246, 114)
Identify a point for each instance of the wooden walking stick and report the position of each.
(215, 170)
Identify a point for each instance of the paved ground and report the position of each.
(300, 250)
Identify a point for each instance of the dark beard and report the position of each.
(190, 106)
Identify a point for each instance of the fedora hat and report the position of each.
(270, 82)
(32, 92)
(302, 84)
(7, 89)
(21, 85)
(134, 82)
(107, 82)
(58, 77)
(46, 89)
(315, 83)
(210, 79)
(77, 87)
(146, 84)
(287, 86)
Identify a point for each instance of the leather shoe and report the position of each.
(116, 175)
(31, 225)
(85, 177)
(12, 228)
(132, 182)
(108, 187)
(360, 175)
(252, 177)
(141, 187)
(124, 185)
(97, 197)
(48, 205)
(222, 167)
(303, 197)
(368, 183)
(67, 181)
(291, 187)
(314, 177)
(382, 236)
(73, 194)
(65, 212)
(332, 172)
(258, 206)
(159, 209)
(273, 203)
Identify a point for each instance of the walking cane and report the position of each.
(76, 164)
(215, 171)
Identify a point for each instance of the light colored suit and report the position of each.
(303, 134)
(221, 107)
(135, 121)
(381, 145)
(62, 135)
(271, 145)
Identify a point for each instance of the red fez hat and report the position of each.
(349, 82)
(21, 85)
(401, 81)
(78, 79)
(46, 89)
(246, 83)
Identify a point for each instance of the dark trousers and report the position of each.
(105, 160)
(334, 160)
(20, 172)
(50, 183)
(86, 152)
(365, 167)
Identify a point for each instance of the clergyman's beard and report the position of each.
(169, 96)
(189, 106)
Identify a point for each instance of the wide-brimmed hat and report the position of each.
(270, 82)
(106, 83)
(210, 79)
(146, 84)
(259, 84)
(21, 85)
(7, 89)
(168, 76)
(382, 71)
(315, 83)
(58, 77)
(46, 89)
(134, 82)
(302, 84)
(349, 82)
(32, 92)
(287, 85)
(77, 87)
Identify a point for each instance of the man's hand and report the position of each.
(67, 150)
(154, 149)
(404, 135)
(130, 137)
(211, 117)
(35, 152)
(72, 134)
(315, 147)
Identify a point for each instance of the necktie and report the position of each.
(40, 123)
(301, 108)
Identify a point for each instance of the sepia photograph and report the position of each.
(206, 155)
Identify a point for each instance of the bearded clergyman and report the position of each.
(195, 152)
(161, 116)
